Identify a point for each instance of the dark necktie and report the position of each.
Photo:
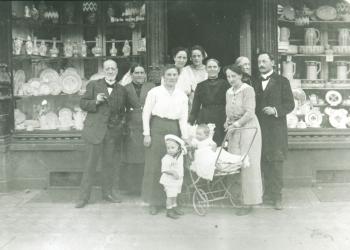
(110, 85)
(265, 78)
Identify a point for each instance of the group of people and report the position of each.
(146, 127)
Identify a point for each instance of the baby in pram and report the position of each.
(206, 153)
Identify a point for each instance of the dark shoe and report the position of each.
(278, 205)
(178, 211)
(153, 210)
(133, 193)
(267, 200)
(112, 199)
(171, 214)
(244, 211)
(81, 204)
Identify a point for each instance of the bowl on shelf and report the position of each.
(326, 13)
(341, 49)
(340, 82)
(283, 46)
(315, 49)
(292, 49)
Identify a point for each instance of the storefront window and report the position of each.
(314, 53)
(58, 47)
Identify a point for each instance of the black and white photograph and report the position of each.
(175, 125)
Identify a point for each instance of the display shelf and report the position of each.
(340, 106)
(311, 22)
(125, 24)
(96, 35)
(345, 87)
(47, 96)
(312, 55)
(30, 23)
(318, 131)
(48, 58)
(5, 98)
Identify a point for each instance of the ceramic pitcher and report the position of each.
(342, 70)
(313, 68)
(343, 37)
(284, 34)
(312, 36)
(288, 69)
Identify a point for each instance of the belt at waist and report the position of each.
(135, 109)
(165, 119)
(214, 106)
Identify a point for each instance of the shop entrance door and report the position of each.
(213, 24)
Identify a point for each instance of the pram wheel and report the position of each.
(200, 202)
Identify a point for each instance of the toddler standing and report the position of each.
(172, 173)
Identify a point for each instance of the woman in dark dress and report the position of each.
(165, 112)
(133, 149)
(210, 100)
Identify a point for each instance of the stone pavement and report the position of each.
(305, 224)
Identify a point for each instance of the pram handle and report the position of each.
(232, 130)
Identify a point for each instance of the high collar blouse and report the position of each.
(161, 103)
(190, 77)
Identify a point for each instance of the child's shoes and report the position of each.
(178, 211)
(171, 214)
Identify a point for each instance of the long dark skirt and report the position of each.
(152, 190)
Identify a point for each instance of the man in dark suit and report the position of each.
(274, 100)
(105, 102)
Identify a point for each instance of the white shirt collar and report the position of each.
(267, 74)
(110, 81)
(167, 92)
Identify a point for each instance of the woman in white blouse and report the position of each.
(194, 73)
(165, 112)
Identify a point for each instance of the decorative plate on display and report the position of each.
(35, 83)
(45, 89)
(326, 13)
(49, 75)
(52, 120)
(70, 69)
(289, 13)
(25, 90)
(32, 123)
(71, 83)
(292, 120)
(299, 94)
(20, 117)
(65, 113)
(333, 97)
(19, 77)
(56, 87)
(313, 118)
(338, 118)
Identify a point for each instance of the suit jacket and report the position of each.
(107, 115)
(277, 94)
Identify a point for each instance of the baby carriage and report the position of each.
(219, 188)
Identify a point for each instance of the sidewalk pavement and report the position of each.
(305, 224)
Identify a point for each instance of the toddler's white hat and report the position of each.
(178, 140)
